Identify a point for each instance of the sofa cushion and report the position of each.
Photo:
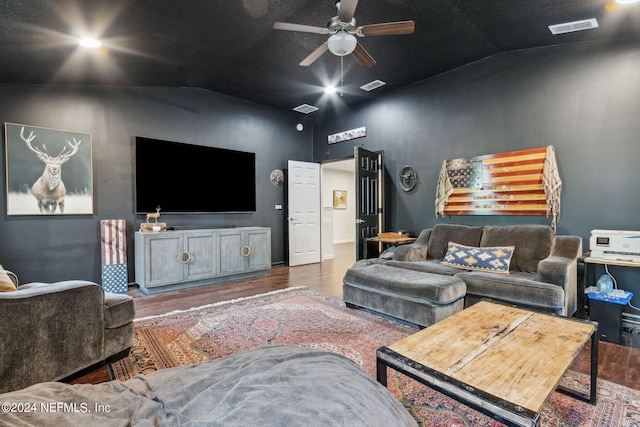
(532, 243)
(442, 234)
(416, 254)
(494, 259)
(434, 288)
(6, 284)
(517, 288)
(430, 266)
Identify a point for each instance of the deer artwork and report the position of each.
(49, 190)
(152, 215)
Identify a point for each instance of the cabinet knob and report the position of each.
(184, 257)
(245, 251)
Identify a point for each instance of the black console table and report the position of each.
(587, 260)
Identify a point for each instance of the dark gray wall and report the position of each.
(583, 99)
(50, 248)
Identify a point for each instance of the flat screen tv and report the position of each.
(187, 178)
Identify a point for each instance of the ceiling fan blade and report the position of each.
(298, 27)
(347, 10)
(363, 57)
(315, 55)
(387, 29)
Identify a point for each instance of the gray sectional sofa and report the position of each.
(51, 331)
(541, 272)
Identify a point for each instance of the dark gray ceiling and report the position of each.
(231, 47)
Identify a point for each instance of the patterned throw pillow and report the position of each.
(6, 284)
(492, 259)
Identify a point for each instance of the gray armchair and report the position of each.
(50, 331)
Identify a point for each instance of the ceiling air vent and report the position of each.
(305, 108)
(570, 27)
(373, 85)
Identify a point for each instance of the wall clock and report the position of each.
(276, 177)
(408, 178)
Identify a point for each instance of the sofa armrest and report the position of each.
(561, 268)
(416, 251)
(49, 331)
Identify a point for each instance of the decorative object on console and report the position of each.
(32, 191)
(524, 182)
(492, 259)
(277, 177)
(408, 178)
(154, 216)
(156, 227)
(113, 236)
(339, 199)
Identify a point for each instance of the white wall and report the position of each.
(343, 221)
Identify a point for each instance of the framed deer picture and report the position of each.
(48, 171)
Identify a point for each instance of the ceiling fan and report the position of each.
(343, 30)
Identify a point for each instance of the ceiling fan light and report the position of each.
(89, 42)
(342, 43)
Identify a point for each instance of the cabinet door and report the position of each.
(202, 255)
(231, 259)
(259, 243)
(161, 259)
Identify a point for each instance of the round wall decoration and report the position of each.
(276, 177)
(408, 178)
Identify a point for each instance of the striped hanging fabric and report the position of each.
(113, 234)
(524, 182)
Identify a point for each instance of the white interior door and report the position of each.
(303, 186)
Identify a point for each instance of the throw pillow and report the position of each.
(493, 259)
(6, 284)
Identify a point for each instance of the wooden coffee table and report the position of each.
(499, 359)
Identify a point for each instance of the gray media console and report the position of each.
(186, 258)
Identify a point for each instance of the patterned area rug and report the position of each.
(305, 317)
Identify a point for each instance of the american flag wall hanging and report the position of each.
(524, 182)
(113, 234)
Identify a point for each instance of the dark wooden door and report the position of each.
(369, 196)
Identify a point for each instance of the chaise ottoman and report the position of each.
(416, 297)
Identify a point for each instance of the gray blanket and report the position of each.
(269, 386)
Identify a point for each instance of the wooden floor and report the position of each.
(616, 363)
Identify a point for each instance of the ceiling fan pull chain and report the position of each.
(341, 74)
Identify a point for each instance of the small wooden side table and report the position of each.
(394, 241)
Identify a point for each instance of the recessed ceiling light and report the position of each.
(329, 90)
(89, 42)
(627, 1)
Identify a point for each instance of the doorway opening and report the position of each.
(338, 223)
